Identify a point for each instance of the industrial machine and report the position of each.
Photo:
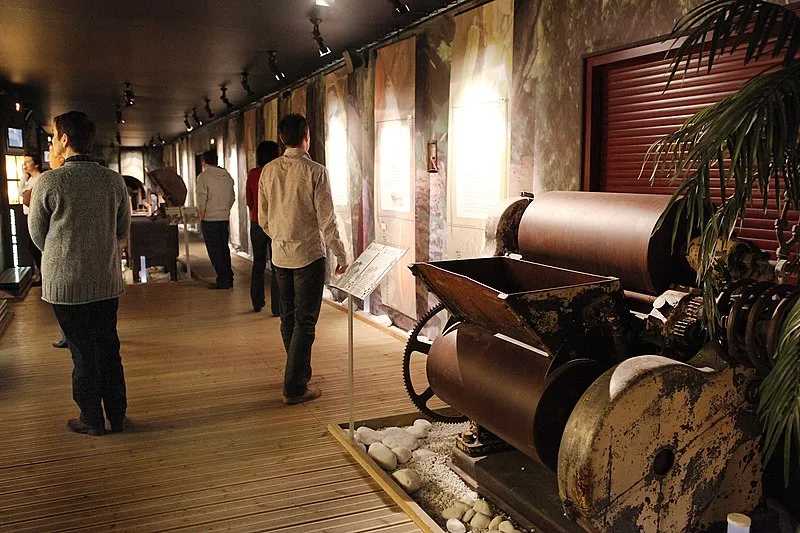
(580, 341)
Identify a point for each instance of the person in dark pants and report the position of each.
(295, 209)
(214, 201)
(81, 274)
(262, 245)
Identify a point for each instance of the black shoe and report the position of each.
(219, 286)
(117, 426)
(77, 425)
(257, 309)
(61, 344)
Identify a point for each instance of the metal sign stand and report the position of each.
(363, 277)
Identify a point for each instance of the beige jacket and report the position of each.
(215, 194)
(295, 209)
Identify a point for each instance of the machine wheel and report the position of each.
(417, 347)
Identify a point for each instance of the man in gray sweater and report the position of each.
(214, 202)
(78, 215)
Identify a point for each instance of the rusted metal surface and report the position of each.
(553, 309)
(508, 388)
(605, 233)
(502, 226)
(660, 446)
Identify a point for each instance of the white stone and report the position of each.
(362, 446)
(404, 455)
(454, 526)
(456, 511)
(399, 438)
(368, 435)
(480, 521)
(422, 453)
(383, 456)
(422, 423)
(495, 523)
(468, 515)
(506, 527)
(469, 499)
(418, 432)
(383, 320)
(483, 507)
(408, 479)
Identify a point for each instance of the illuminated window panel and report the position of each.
(395, 165)
(14, 176)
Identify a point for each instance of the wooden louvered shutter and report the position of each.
(630, 110)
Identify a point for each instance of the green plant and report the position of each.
(750, 142)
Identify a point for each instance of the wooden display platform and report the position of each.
(15, 282)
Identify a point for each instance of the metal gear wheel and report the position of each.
(420, 348)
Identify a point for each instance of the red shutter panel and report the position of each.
(636, 111)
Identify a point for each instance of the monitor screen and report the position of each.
(15, 138)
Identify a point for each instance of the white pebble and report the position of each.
(507, 527)
(418, 432)
(483, 507)
(468, 515)
(399, 438)
(422, 453)
(408, 479)
(404, 455)
(456, 511)
(368, 435)
(361, 447)
(383, 456)
(480, 521)
(421, 422)
(495, 523)
(454, 526)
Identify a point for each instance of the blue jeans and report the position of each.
(301, 299)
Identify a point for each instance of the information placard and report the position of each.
(366, 272)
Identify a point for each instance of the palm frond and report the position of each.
(719, 26)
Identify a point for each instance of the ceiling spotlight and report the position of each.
(161, 141)
(120, 120)
(212, 141)
(119, 139)
(152, 143)
(272, 63)
(130, 98)
(325, 3)
(246, 84)
(208, 108)
(186, 122)
(224, 97)
(400, 7)
(317, 36)
(17, 107)
(195, 117)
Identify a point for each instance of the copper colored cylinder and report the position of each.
(506, 388)
(608, 234)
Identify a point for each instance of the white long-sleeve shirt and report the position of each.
(295, 209)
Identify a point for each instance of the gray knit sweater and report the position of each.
(78, 215)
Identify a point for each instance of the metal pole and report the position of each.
(350, 362)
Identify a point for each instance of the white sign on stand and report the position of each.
(363, 277)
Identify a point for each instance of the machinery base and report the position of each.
(520, 486)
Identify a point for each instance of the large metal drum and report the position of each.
(605, 233)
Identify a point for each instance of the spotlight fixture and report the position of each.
(161, 141)
(317, 36)
(186, 122)
(152, 143)
(208, 108)
(272, 63)
(119, 139)
(325, 3)
(120, 120)
(195, 117)
(224, 97)
(17, 107)
(400, 7)
(130, 98)
(246, 84)
(212, 141)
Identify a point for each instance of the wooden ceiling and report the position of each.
(77, 54)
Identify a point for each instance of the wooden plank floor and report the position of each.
(211, 446)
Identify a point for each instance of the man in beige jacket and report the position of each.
(295, 209)
(214, 202)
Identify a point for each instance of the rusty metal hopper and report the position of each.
(543, 306)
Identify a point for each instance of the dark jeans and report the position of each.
(36, 253)
(301, 299)
(97, 374)
(262, 253)
(216, 235)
